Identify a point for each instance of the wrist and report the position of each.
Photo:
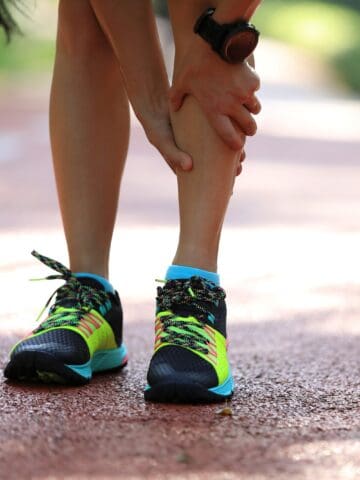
(147, 89)
(195, 55)
(226, 16)
(152, 105)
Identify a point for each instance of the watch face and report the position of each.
(239, 46)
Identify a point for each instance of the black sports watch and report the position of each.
(234, 42)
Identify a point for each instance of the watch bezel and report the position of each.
(238, 29)
(218, 35)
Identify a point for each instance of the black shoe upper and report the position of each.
(173, 363)
(80, 295)
(66, 345)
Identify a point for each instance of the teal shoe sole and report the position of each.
(102, 361)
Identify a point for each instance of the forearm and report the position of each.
(231, 10)
(131, 29)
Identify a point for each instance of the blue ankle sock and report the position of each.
(176, 272)
(105, 283)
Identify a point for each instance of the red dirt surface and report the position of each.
(295, 414)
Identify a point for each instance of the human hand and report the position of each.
(225, 92)
(239, 167)
(158, 129)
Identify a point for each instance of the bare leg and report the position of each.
(89, 128)
(190, 362)
(204, 192)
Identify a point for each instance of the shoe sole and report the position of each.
(43, 367)
(175, 391)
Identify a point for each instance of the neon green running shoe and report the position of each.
(190, 364)
(82, 333)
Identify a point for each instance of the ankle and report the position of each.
(201, 255)
(175, 272)
(93, 267)
(196, 259)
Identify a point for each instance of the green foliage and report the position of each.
(347, 65)
(26, 54)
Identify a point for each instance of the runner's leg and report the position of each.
(190, 361)
(204, 192)
(89, 129)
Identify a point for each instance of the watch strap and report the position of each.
(211, 31)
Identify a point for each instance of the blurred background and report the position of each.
(328, 30)
(293, 226)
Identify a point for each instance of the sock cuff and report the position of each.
(104, 282)
(176, 272)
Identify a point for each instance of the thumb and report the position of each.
(161, 136)
(176, 158)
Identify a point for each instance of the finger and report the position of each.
(244, 120)
(251, 60)
(253, 105)
(226, 130)
(162, 138)
(253, 82)
(176, 159)
(239, 165)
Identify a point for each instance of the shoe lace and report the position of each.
(199, 295)
(73, 300)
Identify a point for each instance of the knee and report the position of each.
(79, 34)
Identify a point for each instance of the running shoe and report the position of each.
(81, 334)
(190, 364)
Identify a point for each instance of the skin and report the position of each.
(94, 77)
(143, 70)
(225, 92)
(88, 104)
(204, 193)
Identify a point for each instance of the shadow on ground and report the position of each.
(295, 414)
